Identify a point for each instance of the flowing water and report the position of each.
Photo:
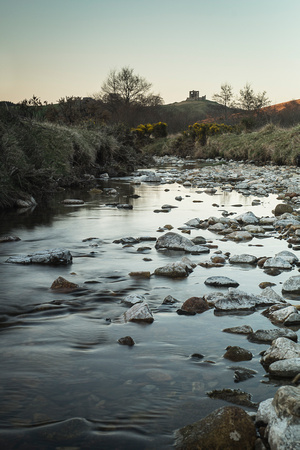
(66, 382)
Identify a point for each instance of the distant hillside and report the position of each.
(179, 115)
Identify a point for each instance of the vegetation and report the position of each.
(36, 157)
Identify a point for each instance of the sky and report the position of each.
(59, 48)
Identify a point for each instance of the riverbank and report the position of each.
(37, 158)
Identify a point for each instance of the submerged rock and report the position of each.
(226, 428)
(55, 257)
(235, 396)
(244, 329)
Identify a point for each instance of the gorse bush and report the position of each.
(201, 131)
(144, 132)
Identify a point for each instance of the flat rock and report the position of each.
(278, 263)
(240, 236)
(73, 201)
(244, 329)
(55, 257)
(236, 430)
(267, 336)
(234, 396)
(236, 300)
(9, 239)
(175, 241)
(243, 259)
(221, 282)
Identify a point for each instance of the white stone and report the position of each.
(292, 285)
(138, 313)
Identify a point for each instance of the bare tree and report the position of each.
(250, 101)
(127, 88)
(225, 97)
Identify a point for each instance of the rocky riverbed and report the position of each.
(195, 271)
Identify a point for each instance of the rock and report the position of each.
(133, 299)
(282, 417)
(124, 206)
(267, 336)
(286, 220)
(193, 223)
(292, 285)
(139, 313)
(254, 229)
(287, 368)
(293, 319)
(281, 315)
(199, 240)
(282, 208)
(234, 396)
(244, 329)
(235, 428)
(271, 296)
(248, 218)
(175, 241)
(281, 348)
(9, 239)
(288, 256)
(243, 259)
(127, 340)
(73, 201)
(221, 282)
(140, 274)
(278, 263)
(151, 177)
(177, 269)
(240, 236)
(169, 300)
(236, 300)
(61, 284)
(195, 304)
(235, 353)
(55, 257)
(26, 202)
(243, 374)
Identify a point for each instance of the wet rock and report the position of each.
(139, 313)
(73, 201)
(282, 208)
(9, 239)
(288, 256)
(236, 300)
(221, 282)
(126, 240)
(281, 315)
(235, 353)
(243, 259)
(195, 304)
(218, 260)
(292, 285)
(265, 284)
(178, 269)
(169, 300)
(271, 297)
(140, 274)
(62, 284)
(287, 368)
(278, 263)
(268, 336)
(281, 348)
(286, 220)
(244, 329)
(174, 241)
(26, 202)
(124, 206)
(292, 320)
(254, 229)
(248, 218)
(193, 223)
(240, 236)
(236, 430)
(55, 257)
(151, 177)
(235, 396)
(133, 299)
(243, 374)
(281, 414)
(127, 340)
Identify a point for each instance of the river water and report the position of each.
(66, 382)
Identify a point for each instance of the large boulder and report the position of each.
(175, 241)
(280, 349)
(286, 368)
(228, 428)
(281, 416)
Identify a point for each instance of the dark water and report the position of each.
(65, 380)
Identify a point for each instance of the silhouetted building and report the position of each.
(194, 95)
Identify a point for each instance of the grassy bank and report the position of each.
(270, 144)
(38, 157)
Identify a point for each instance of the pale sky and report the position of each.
(58, 48)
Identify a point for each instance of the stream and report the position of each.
(66, 382)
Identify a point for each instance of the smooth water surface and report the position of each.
(66, 382)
